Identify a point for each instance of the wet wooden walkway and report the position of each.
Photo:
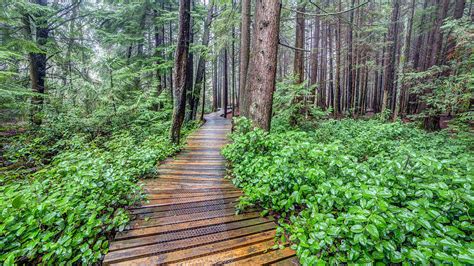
(190, 217)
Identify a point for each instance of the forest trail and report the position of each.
(190, 217)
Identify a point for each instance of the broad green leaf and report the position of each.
(372, 229)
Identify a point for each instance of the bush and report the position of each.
(361, 191)
(65, 211)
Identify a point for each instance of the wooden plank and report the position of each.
(266, 258)
(181, 162)
(216, 182)
(186, 254)
(186, 225)
(182, 218)
(287, 262)
(199, 156)
(187, 175)
(198, 178)
(143, 209)
(192, 195)
(231, 255)
(175, 212)
(139, 252)
(189, 190)
(186, 187)
(184, 234)
(193, 172)
(170, 201)
(201, 167)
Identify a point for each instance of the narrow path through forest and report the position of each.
(190, 217)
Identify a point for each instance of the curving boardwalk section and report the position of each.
(190, 217)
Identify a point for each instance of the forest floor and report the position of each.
(190, 215)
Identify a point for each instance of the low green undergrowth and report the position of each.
(361, 191)
(65, 211)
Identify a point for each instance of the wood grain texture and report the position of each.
(190, 217)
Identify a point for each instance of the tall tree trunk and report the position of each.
(225, 86)
(428, 47)
(164, 77)
(398, 69)
(232, 57)
(199, 82)
(419, 39)
(244, 57)
(438, 34)
(381, 76)
(331, 75)
(314, 58)
(298, 64)
(431, 122)
(181, 70)
(214, 85)
(170, 24)
(403, 103)
(203, 101)
(458, 13)
(323, 72)
(337, 96)
(38, 63)
(137, 84)
(349, 59)
(390, 59)
(356, 69)
(263, 61)
(190, 66)
(158, 54)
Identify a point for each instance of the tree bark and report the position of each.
(181, 70)
(337, 92)
(225, 86)
(438, 34)
(170, 24)
(324, 67)
(403, 105)
(199, 82)
(203, 101)
(263, 61)
(314, 58)
(190, 66)
(38, 63)
(458, 13)
(244, 56)
(158, 54)
(298, 64)
(349, 60)
(419, 40)
(331, 95)
(232, 57)
(214, 85)
(431, 121)
(391, 55)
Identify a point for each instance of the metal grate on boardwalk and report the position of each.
(190, 216)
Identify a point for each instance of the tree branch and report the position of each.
(339, 15)
(66, 8)
(325, 13)
(292, 47)
(67, 20)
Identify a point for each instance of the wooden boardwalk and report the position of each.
(190, 217)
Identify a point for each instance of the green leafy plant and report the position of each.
(66, 211)
(361, 191)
